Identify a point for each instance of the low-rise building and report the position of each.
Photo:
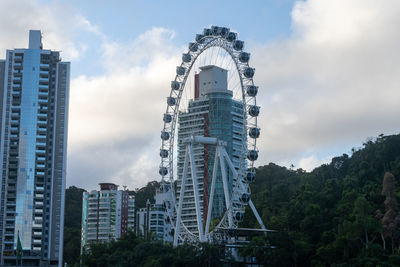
(154, 220)
(106, 214)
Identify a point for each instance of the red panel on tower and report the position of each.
(196, 86)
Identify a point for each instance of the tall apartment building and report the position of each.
(106, 214)
(213, 112)
(34, 91)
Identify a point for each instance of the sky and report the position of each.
(328, 74)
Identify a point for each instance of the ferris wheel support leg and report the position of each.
(253, 208)
(235, 173)
(226, 190)
(230, 164)
(196, 193)
(181, 195)
(210, 205)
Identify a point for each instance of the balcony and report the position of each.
(37, 234)
(18, 59)
(11, 196)
(43, 103)
(39, 196)
(39, 173)
(14, 130)
(40, 149)
(39, 211)
(40, 165)
(44, 89)
(44, 68)
(38, 221)
(37, 241)
(16, 93)
(43, 95)
(42, 116)
(15, 117)
(39, 189)
(12, 174)
(42, 111)
(9, 232)
(11, 188)
(40, 159)
(41, 133)
(37, 226)
(40, 153)
(43, 82)
(9, 241)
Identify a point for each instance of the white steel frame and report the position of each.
(220, 156)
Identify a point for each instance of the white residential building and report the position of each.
(106, 214)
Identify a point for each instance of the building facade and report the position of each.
(34, 92)
(106, 214)
(153, 221)
(212, 113)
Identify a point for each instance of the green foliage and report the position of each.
(145, 193)
(131, 250)
(72, 224)
(328, 216)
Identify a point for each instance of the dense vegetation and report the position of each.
(146, 193)
(344, 214)
(341, 213)
(131, 250)
(72, 224)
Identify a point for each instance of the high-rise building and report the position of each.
(106, 214)
(34, 91)
(214, 113)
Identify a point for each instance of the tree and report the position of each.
(131, 250)
(391, 218)
(365, 224)
(145, 193)
(72, 224)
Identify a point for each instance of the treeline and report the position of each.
(344, 213)
(131, 250)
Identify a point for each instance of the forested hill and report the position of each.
(343, 213)
(338, 213)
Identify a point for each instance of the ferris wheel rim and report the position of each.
(174, 117)
(170, 127)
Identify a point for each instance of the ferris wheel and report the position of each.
(208, 142)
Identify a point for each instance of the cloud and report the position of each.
(60, 24)
(311, 162)
(116, 118)
(331, 84)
